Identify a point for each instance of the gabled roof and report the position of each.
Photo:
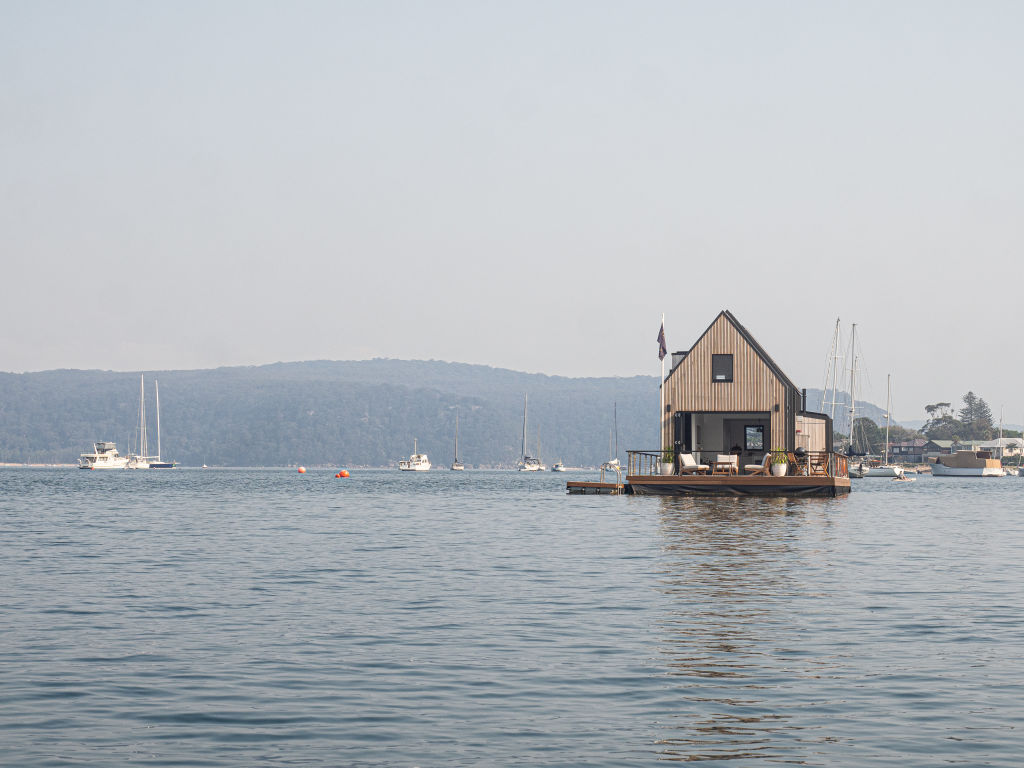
(942, 443)
(758, 349)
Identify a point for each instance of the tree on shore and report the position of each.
(976, 417)
(972, 422)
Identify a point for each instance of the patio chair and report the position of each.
(817, 463)
(726, 464)
(764, 468)
(689, 466)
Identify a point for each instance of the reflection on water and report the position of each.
(735, 570)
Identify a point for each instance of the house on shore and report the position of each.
(935, 448)
(908, 451)
(725, 395)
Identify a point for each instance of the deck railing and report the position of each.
(814, 463)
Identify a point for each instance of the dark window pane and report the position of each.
(721, 367)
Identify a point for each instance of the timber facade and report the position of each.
(727, 396)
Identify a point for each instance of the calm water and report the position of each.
(241, 618)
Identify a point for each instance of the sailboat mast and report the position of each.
(832, 371)
(456, 435)
(888, 412)
(525, 401)
(144, 447)
(853, 380)
(157, 385)
(615, 421)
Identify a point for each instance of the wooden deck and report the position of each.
(736, 485)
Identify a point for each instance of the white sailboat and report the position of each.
(159, 463)
(613, 462)
(457, 466)
(885, 469)
(528, 463)
(859, 469)
(418, 462)
(140, 459)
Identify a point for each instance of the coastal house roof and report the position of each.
(941, 443)
(1003, 442)
(917, 442)
(747, 337)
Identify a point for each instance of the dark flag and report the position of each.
(662, 349)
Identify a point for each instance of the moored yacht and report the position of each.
(885, 469)
(457, 466)
(968, 464)
(418, 462)
(104, 456)
(558, 466)
(528, 463)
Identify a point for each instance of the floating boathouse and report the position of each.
(734, 424)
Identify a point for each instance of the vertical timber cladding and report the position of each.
(755, 387)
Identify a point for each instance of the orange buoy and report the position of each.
(337, 474)
(343, 473)
(302, 470)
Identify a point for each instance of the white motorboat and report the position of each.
(104, 456)
(558, 466)
(968, 464)
(418, 462)
(884, 470)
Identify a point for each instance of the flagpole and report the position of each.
(661, 389)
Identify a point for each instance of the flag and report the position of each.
(662, 349)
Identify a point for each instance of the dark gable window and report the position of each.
(721, 367)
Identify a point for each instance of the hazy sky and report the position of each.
(524, 185)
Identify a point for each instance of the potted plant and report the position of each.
(668, 460)
(780, 462)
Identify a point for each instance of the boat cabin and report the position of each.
(726, 396)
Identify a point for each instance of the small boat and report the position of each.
(140, 460)
(418, 462)
(903, 479)
(457, 466)
(528, 463)
(885, 469)
(558, 466)
(613, 463)
(968, 464)
(104, 456)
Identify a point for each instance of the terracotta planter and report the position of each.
(779, 470)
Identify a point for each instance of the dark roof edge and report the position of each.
(814, 413)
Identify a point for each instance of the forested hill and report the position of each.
(363, 413)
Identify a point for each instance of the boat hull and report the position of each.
(884, 472)
(939, 470)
